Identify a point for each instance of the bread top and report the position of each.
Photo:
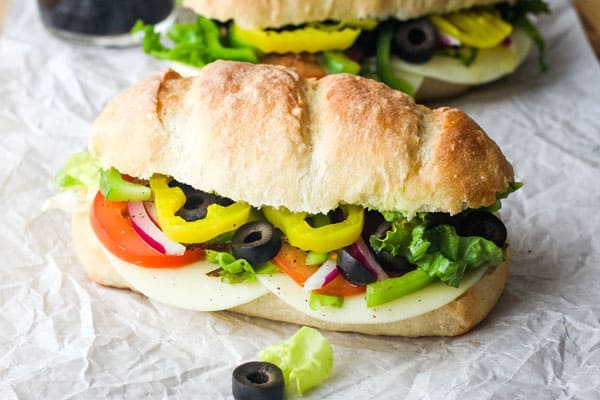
(262, 134)
(277, 13)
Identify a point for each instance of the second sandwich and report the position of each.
(428, 49)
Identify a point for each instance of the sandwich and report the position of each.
(337, 203)
(429, 49)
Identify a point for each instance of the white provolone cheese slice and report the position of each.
(489, 65)
(355, 310)
(190, 288)
(187, 287)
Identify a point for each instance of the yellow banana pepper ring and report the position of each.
(323, 239)
(311, 39)
(219, 219)
(483, 29)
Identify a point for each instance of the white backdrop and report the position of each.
(62, 336)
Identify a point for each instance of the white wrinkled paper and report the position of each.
(64, 337)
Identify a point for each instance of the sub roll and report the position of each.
(337, 203)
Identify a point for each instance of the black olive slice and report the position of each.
(257, 380)
(257, 242)
(352, 270)
(197, 202)
(484, 224)
(416, 40)
(196, 205)
(382, 229)
(441, 218)
(395, 265)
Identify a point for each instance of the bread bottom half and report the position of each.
(455, 318)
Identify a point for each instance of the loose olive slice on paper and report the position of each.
(484, 224)
(257, 380)
(352, 270)
(415, 41)
(257, 242)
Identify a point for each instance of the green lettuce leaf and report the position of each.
(197, 44)
(438, 251)
(450, 255)
(406, 239)
(391, 216)
(512, 187)
(306, 359)
(81, 170)
(233, 270)
(236, 270)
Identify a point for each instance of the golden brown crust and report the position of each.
(262, 134)
(454, 318)
(276, 13)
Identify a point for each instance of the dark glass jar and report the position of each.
(103, 22)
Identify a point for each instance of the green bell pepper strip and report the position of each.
(317, 301)
(336, 62)
(322, 239)
(386, 290)
(315, 258)
(384, 66)
(115, 188)
(218, 220)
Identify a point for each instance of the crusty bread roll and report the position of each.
(455, 318)
(276, 13)
(262, 134)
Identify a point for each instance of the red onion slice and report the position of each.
(360, 251)
(448, 40)
(325, 274)
(144, 226)
(150, 207)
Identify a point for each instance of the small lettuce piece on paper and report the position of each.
(306, 359)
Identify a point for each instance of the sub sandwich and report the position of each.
(337, 203)
(428, 49)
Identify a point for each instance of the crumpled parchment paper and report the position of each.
(64, 337)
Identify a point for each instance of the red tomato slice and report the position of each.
(291, 261)
(110, 221)
(340, 287)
